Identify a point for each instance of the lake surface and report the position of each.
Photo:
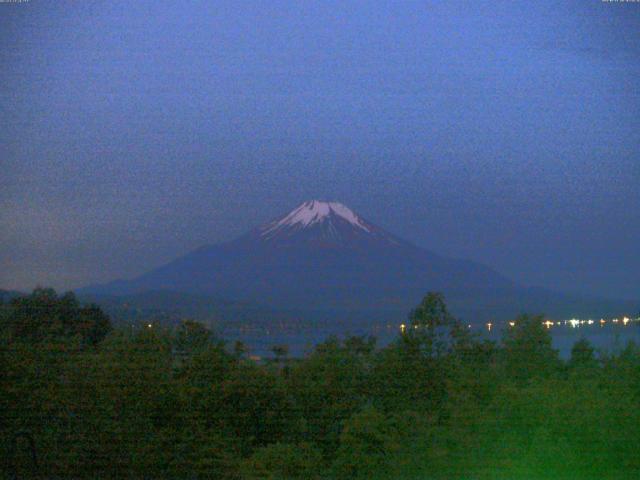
(608, 338)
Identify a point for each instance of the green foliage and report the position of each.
(44, 316)
(193, 337)
(283, 461)
(369, 443)
(527, 351)
(359, 345)
(327, 388)
(402, 378)
(431, 313)
(438, 403)
(239, 349)
(280, 351)
(583, 358)
(254, 406)
(433, 331)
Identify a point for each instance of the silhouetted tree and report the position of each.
(43, 316)
(239, 349)
(527, 349)
(583, 356)
(360, 345)
(280, 352)
(193, 337)
(432, 329)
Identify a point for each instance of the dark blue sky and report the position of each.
(505, 132)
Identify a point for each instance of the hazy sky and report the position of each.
(505, 132)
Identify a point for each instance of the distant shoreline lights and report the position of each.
(548, 323)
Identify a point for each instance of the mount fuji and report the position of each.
(324, 257)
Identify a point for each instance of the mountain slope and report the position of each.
(324, 256)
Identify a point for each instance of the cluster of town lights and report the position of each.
(573, 323)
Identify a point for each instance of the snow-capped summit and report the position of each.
(322, 224)
(313, 212)
(323, 261)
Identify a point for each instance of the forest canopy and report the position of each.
(80, 399)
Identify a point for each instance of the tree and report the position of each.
(252, 405)
(283, 461)
(239, 349)
(360, 345)
(432, 329)
(328, 387)
(527, 349)
(368, 443)
(126, 395)
(409, 374)
(43, 316)
(402, 379)
(431, 313)
(280, 352)
(582, 356)
(193, 337)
